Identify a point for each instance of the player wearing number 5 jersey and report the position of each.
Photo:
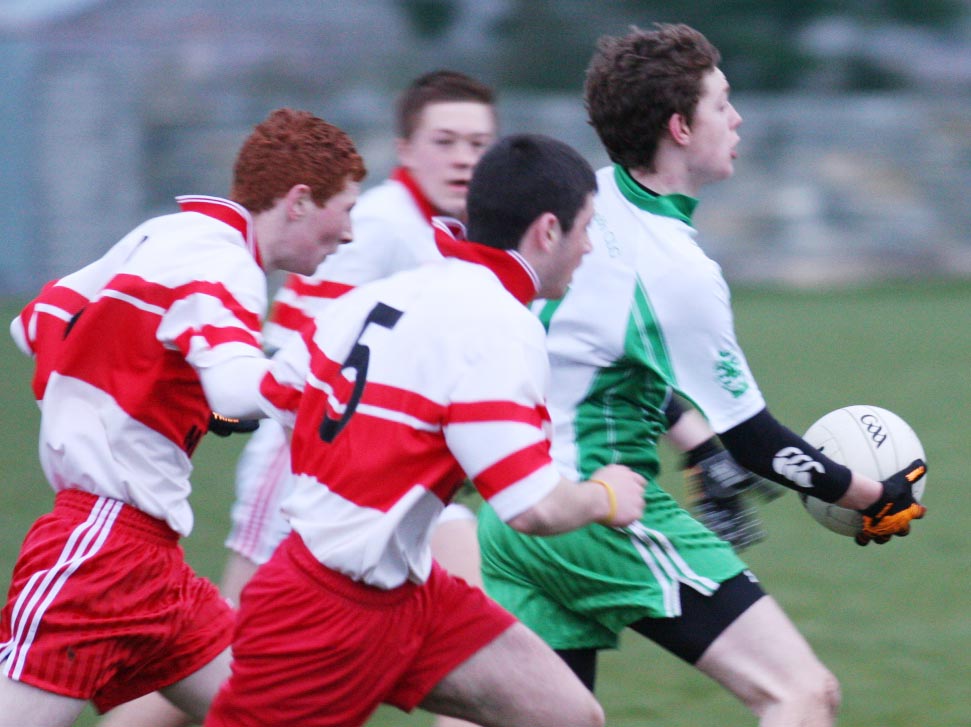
(133, 354)
(416, 382)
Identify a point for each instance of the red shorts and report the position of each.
(315, 648)
(103, 607)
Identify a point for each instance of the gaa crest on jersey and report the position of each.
(731, 376)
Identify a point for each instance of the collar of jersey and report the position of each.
(516, 275)
(403, 176)
(678, 206)
(226, 211)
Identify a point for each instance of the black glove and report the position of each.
(891, 514)
(224, 426)
(718, 495)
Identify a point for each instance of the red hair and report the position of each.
(293, 147)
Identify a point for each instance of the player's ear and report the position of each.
(552, 232)
(679, 129)
(540, 237)
(546, 232)
(298, 201)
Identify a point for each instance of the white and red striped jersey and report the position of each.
(392, 232)
(392, 226)
(118, 345)
(415, 382)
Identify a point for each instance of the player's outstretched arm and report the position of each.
(232, 386)
(613, 496)
(767, 448)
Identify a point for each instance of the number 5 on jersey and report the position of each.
(357, 360)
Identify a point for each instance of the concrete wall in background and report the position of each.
(827, 190)
(842, 188)
(97, 137)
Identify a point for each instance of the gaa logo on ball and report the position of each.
(872, 441)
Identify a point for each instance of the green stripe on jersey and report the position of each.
(545, 313)
(644, 335)
(656, 353)
(622, 416)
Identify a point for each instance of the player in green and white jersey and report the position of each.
(648, 316)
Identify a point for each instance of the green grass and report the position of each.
(888, 620)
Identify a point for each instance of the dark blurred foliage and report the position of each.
(547, 43)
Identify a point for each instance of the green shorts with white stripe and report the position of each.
(581, 589)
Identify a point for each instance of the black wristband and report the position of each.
(673, 410)
(703, 451)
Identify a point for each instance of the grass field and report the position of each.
(889, 621)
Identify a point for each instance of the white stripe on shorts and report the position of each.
(42, 587)
(659, 554)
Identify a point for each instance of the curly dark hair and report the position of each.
(293, 147)
(636, 82)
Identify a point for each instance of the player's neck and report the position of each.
(664, 181)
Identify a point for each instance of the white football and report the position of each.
(869, 440)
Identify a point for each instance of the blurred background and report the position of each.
(855, 154)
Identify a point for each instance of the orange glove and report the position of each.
(891, 514)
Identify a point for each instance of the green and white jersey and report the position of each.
(647, 311)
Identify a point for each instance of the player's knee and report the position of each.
(832, 693)
(578, 708)
(815, 691)
(822, 689)
(593, 715)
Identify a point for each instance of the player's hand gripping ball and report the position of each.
(879, 444)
